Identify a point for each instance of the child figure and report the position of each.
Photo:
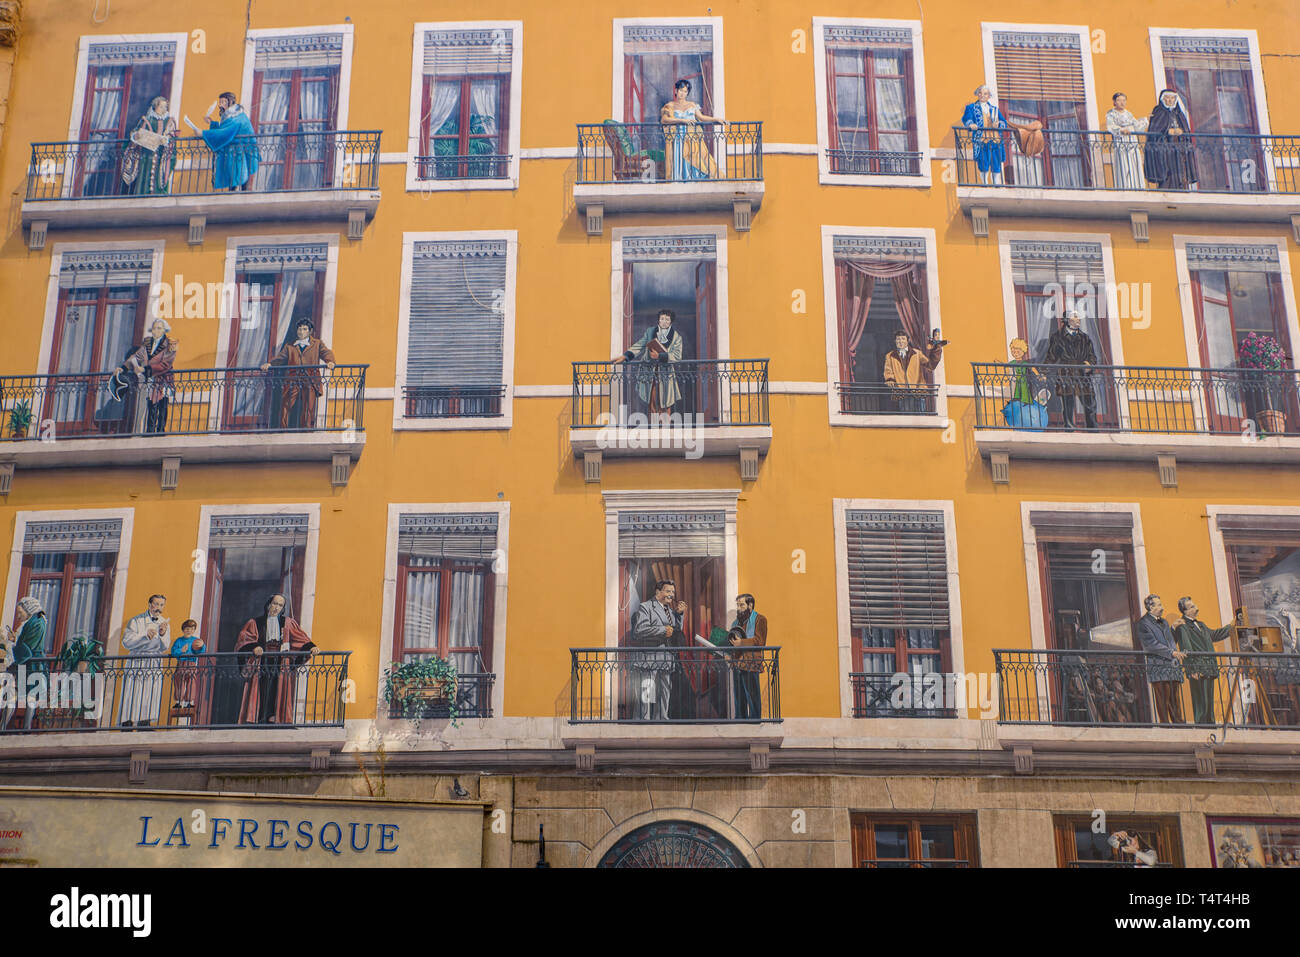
(186, 649)
(1027, 408)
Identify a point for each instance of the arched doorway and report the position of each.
(673, 844)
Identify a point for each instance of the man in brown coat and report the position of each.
(302, 382)
(749, 630)
(905, 369)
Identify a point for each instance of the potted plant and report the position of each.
(20, 420)
(81, 655)
(424, 687)
(1262, 355)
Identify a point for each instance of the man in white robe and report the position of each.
(147, 634)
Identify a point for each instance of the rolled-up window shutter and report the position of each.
(450, 53)
(671, 534)
(109, 267)
(469, 535)
(1098, 527)
(298, 51)
(1034, 66)
(1205, 53)
(258, 531)
(457, 320)
(103, 535)
(1035, 263)
(1233, 257)
(898, 569)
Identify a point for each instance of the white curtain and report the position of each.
(105, 117)
(420, 611)
(75, 351)
(483, 96)
(313, 110)
(466, 624)
(47, 592)
(446, 97)
(83, 613)
(891, 113)
(272, 117)
(251, 349)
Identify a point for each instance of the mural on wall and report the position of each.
(673, 844)
(1235, 842)
(1276, 594)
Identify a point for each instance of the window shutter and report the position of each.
(1040, 263)
(282, 258)
(457, 320)
(671, 534)
(467, 535)
(1083, 526)
(843, 36)
(139, 51)
(257, 531)
(103, 535)
(298, 51)
(1282, 530)
(898, 569)
(683, 38)
(1206, 53)
(109, 267)
(460, 52)
(1038, 66)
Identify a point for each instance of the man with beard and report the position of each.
(748, 665)
(1071, 346)
(269, 683)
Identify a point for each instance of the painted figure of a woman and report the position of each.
(690, 150)
(1126, 154)
(1170, 154)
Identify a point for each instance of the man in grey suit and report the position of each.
(656, 625)
(1164, 661)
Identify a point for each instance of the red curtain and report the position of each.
(857, 279)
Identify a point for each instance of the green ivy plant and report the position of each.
(412, 686)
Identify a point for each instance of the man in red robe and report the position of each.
(269, 681)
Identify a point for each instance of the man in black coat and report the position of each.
(1070, 346)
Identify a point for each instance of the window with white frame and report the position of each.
(295, 98)
(655, 57)
(899, 611)
(871, 100)
(122, 79)
(1040, 78)
(468, 78)
(882, 294)
(455, 337)
(69, 567)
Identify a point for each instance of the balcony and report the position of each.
(453, 402)
(722, 410)
(161, 693)
(657, 167)
(1093, 175)
(876, 695)
(1107, 688)
(676, 685)
(332, 175)
(473, 699)
(878, 398)
(1143, 413)
(462, 166)
(211, 415)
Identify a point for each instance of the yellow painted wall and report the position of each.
(556, 560)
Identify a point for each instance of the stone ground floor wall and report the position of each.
(795, 820)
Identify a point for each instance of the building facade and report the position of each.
(835, 283)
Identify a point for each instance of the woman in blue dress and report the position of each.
(233, 144)
(690, 151)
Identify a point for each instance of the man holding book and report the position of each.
(749, 630)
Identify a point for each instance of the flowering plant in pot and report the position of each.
(1260, 355)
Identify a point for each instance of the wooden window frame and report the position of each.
(1168, 846)
(863, 838)
(56, 633)
(869, 75)
(445, 567)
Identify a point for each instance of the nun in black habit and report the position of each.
(1169, 155)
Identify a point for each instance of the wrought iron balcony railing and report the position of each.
(652, 153)
(473, 699)
(1098, 160)
(675, 685)
(875, 695)
(690, 393)
(333, 160)
(1103, 688)
(879, 398)
(452, 402)
(194, 402)
(1140, 398)
(147, 692)
(463, 166)
(875, 162)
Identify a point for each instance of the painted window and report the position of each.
(295, 100)
(880, 290)
(927, 840)
(1122, 842)
(898, 608)
(655, 57)
(69, 568)
(1254, 842)
(1263, 554)
(871, 100)
(122, 79)
(1215, 78)
(99, 319)
(454, 349)
(446, 590)
(465, 104)
(1040, 78)
(1237, 291)
(686, 547)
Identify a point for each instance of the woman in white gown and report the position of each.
(1126, 152)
